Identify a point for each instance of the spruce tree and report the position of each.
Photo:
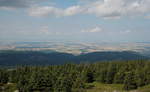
(129, 82)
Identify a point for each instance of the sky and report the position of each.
(75, 20)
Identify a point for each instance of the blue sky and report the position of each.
(75, 20)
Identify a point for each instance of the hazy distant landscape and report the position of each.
(50, 53)
(77, 48)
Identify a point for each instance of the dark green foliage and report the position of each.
(3, 76)
(129, 82)
(74, 77)
(89, 76)
(111, 71)
(120, 75)
(13, 58)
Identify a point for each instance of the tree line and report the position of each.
(75, 77)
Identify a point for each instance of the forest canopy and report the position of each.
(74, 77)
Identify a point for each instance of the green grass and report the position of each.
(91, 87)
(99, 87)
(144, 89)
(8, 87)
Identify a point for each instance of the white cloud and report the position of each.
(108, 9)
(48, 10)
(73, 10)
(125, 32)
(119, 8)
(44, 11)
(92, 30)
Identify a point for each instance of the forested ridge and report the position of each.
(13, 58)
(75, 77)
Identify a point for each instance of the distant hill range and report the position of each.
(12, 58)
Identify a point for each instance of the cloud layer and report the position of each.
(101, 8)
(108, 9)
(49, 10)
(119, 8)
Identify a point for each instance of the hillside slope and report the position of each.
(11, 58)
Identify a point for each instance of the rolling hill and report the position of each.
(12, 58)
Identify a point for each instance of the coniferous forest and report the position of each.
(76, 77)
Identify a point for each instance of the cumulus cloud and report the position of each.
(73, 10)
(108, 9)
(48, 10)
(119, 8)
(44, 11)
(92, 30)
